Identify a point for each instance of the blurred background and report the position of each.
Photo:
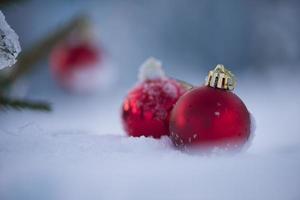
(193, 35)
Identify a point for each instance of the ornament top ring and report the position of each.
(221, 78)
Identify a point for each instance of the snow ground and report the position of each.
(80, 152)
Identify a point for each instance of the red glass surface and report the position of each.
(208, 117)
(146, 109)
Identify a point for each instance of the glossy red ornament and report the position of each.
(208, 117)
(75, 64)
(146, 109)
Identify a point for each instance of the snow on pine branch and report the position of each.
(9, 44)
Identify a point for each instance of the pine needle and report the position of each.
(18, 104)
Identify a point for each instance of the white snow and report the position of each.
(92, 78)
(9, 44)
(72, 165)
(170, 89)
(68, 154)
(217, 113)
(151, 69)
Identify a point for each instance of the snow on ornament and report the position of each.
(146, 109)
(77, 65)
(9, 44)
(211, 117)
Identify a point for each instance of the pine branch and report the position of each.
(5, 3)
(23, 104)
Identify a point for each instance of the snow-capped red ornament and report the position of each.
(77, 64)
(147, 107)
(211, 117)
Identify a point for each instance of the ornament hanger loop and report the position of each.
(221, 78)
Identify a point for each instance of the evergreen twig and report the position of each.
(23, 104)
(5, 3)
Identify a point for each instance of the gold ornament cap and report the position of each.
(221, 78)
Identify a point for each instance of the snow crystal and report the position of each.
(170, 89)
(217, 113)
(9, 44)
(151, 69)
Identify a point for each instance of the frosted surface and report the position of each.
(151, 69)
(9, 44)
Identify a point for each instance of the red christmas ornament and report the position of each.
(211, 116)
(76, 64)
(147, 107)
